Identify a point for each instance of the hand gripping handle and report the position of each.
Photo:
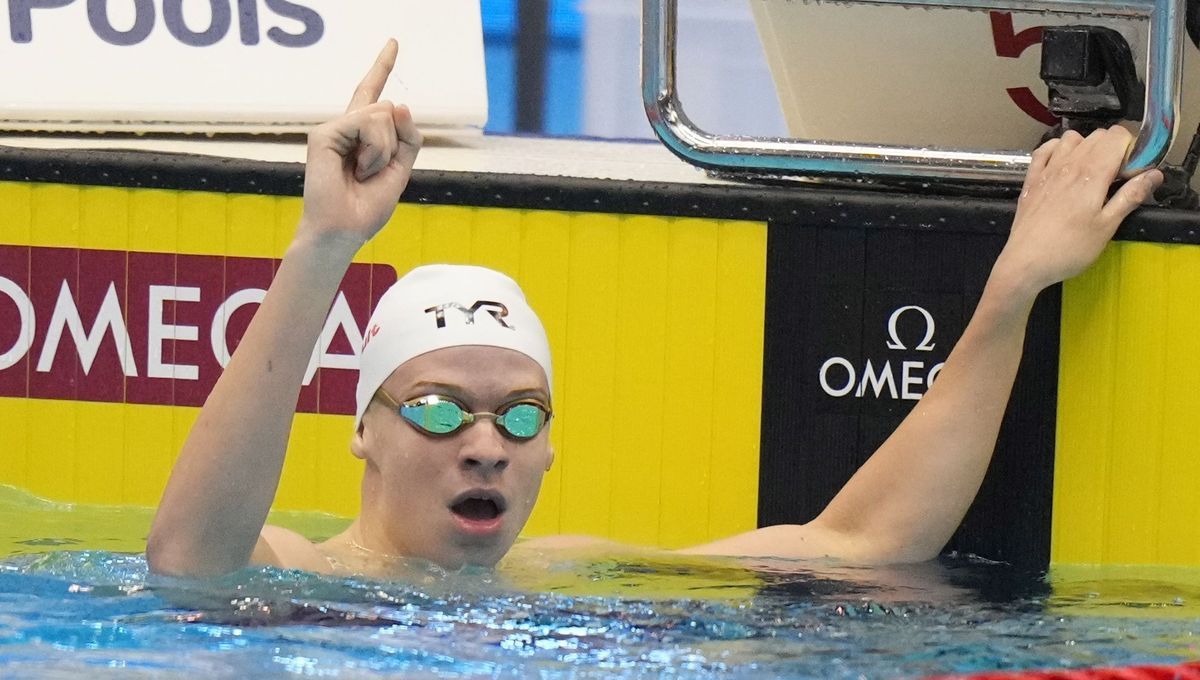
(783, 156)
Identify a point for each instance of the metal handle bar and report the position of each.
(773, 155)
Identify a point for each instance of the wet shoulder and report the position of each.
(286, 549)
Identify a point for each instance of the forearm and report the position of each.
(910, 496)
(227, 473)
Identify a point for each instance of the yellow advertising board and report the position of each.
(701, 335)
(122, 305)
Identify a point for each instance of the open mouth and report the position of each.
(478, 507)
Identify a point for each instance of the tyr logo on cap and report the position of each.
(496, 309)
(372, 332)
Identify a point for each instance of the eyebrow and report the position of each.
(457, 392)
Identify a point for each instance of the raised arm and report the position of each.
(224, 481)
(904, 503)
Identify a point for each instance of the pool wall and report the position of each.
(726, 356)
(1128, 457)
(655, 323)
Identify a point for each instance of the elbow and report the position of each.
(162, 557)
(156, 559)
(880, 544)
(167, 555)
(914, 554)
(891, 550)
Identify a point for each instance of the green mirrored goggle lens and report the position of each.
(522, 420)
(438, 417)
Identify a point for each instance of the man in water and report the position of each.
(452, 417)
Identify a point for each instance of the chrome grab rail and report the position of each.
(783, 156)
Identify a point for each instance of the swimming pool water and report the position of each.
(79, 601)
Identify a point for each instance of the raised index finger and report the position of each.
(369, 89)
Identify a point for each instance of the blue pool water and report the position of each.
(80, 602)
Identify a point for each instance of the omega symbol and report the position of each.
(925, 345)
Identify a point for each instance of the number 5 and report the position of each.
(1011, 45)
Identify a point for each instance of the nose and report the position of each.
(483, 447)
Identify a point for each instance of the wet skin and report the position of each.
(416, 485)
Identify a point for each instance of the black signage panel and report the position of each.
(858, 324)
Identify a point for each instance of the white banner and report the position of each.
(232, 65)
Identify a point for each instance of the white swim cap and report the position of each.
(444, 305)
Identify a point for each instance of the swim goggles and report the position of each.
(438, 415)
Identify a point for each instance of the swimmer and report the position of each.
(452, 419)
